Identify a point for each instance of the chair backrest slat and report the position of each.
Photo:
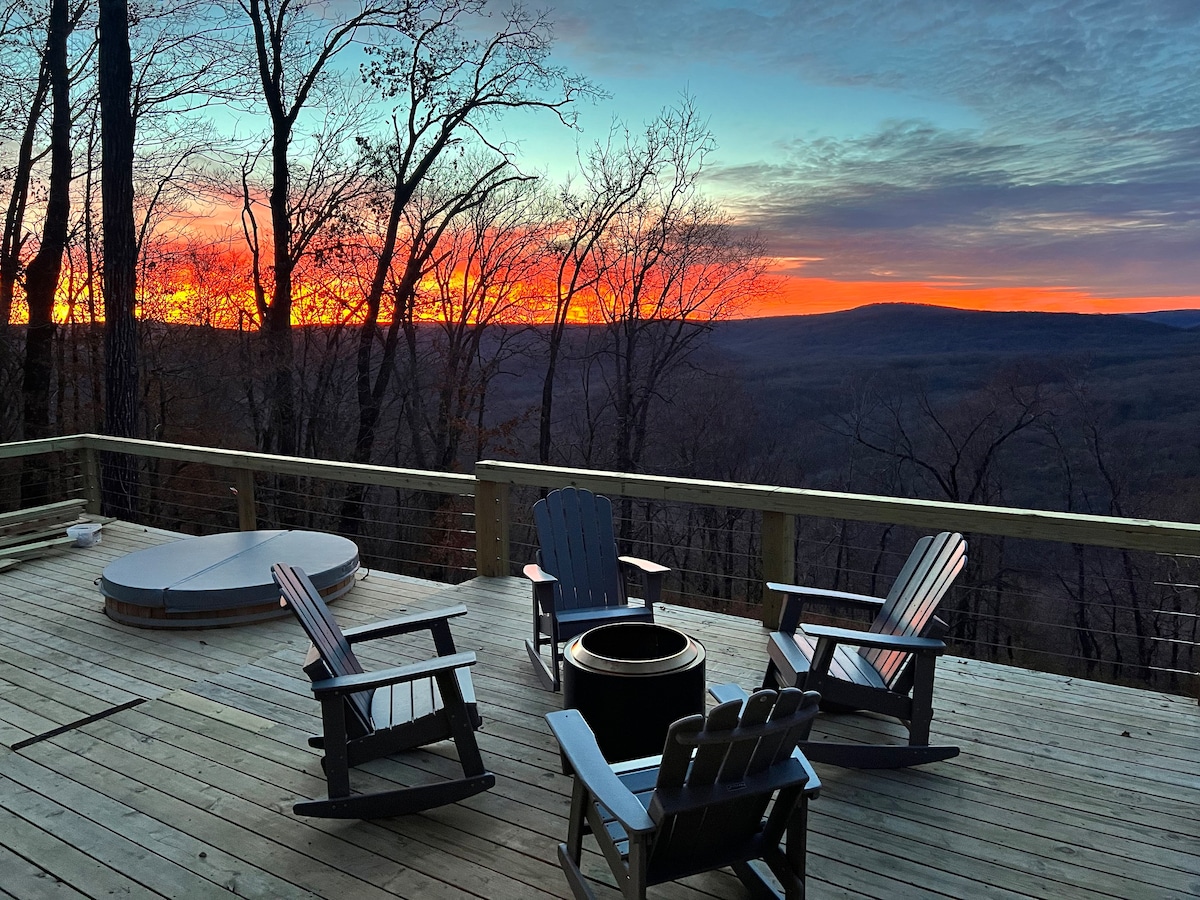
(739, 753)
(771, 748)
(927, 574)
(915, 557)
(577, 546)
(677, 751)
(337, 656)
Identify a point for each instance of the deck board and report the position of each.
(1065, 788)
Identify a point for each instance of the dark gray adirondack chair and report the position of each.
(887, 669)
(579, 581)
(703, 804)
(368, 715)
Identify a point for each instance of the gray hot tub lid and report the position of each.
(225, 571)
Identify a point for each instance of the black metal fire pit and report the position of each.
(630, 681)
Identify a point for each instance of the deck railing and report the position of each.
(401, 517)
(1140, 601)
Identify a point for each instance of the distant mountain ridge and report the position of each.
(1178, 318)
(804, 368)
(897, 330)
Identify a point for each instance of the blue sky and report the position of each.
(977, 145)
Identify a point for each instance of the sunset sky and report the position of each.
(999, 154)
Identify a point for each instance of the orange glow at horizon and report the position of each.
(210, 285)
(798, 295)
(795, 296)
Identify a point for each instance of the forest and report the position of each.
(280, 227)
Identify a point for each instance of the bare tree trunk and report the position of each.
(115, 78)
(546, 411)
(281, 430)
(41, 279)
(14, 216)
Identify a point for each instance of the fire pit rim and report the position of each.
(584, 657)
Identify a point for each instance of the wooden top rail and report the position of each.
(387, 476)
(1033, 524)
(18, 449)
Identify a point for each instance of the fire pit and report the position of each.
(630, 681)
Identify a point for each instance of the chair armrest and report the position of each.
(795, 594)
(652, 574)
(545, 586)
(538, 575)
(349, 684)
(723, 693)
(870, 639)
(813, 787)
(578, 745)
(403, 624)
(826, 594)
(644, 565)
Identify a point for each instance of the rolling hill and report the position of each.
(1144, 372)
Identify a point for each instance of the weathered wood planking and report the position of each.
(1064, 788)
(1049, 797)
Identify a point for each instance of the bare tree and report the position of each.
(41, 278)
(489, 261)
(24, 64)
(447, 89)
(612, 174)
(294, 47)
(956, 451)
(115, 83)
(950, 450)
(1110, 597)
(656, 263)
(671, 266)
(330, 180)
(427, 217)
(417, 53)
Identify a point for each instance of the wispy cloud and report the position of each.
(1080, 165)
(917, 201)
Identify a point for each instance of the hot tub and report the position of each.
(221, 579)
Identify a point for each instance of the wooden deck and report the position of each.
(1064, 789)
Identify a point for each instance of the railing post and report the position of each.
(89, 464)
(247, 509)
(778, 560)
(491, 528)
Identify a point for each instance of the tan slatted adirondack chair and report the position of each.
(887, 669)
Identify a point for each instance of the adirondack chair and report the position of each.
(703, 804)
(578, 580)
(887, 669)
(368, 715)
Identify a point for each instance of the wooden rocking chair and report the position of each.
(368, 715)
